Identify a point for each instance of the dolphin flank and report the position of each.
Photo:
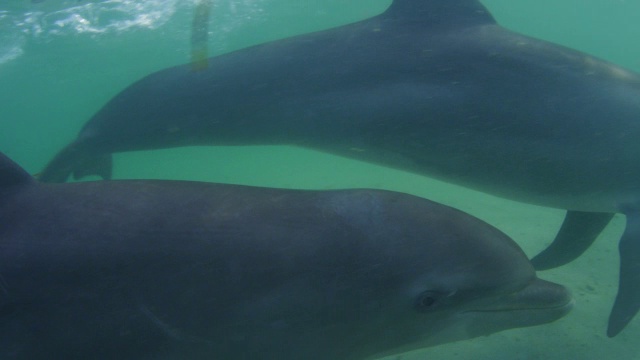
(186, 270)
(435, 87)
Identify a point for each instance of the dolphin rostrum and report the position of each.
(434, 87)
(186, 270)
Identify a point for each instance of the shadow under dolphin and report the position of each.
(435, 87)
(188, 270)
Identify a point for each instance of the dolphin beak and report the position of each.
(543, 295)
(539, 302)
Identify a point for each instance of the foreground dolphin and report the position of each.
(431, 86)
(187, 270)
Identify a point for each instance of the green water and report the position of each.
(49, 91)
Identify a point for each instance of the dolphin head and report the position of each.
(454, 278)
(470, 312)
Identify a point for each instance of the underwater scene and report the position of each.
(523, 114)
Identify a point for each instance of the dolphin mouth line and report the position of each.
(563, 306)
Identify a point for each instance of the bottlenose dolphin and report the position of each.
(434, 87)
(188, 270)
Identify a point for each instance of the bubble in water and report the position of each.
(49, 19)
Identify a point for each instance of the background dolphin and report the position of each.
(430, 86)
(187, 270)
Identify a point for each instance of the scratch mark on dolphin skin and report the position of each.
(4, 286)
(173, 333)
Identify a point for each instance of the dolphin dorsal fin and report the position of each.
(440, 13)
(12, 174)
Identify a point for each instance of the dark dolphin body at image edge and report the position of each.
(188, 270)
(435, 87)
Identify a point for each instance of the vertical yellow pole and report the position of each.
(200, 35)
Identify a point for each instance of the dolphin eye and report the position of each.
(427, 300)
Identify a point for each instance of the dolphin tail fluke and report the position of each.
(11, 174)
(77, 161)
(627, 302)
(579, 230)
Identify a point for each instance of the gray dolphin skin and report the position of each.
(435, 87)
(188, 270)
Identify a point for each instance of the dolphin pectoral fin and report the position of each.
(75, 159)
(100, 166)
(60, 168)
(627, 301)
(579, 230)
